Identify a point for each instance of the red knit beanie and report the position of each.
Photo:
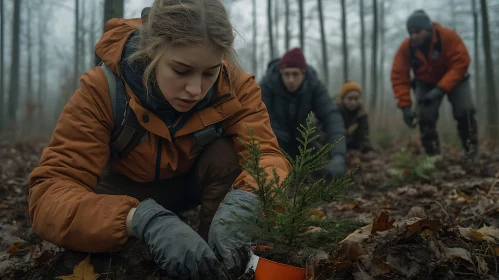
(293, 59)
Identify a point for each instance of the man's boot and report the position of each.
(429, 138)
(467, 129)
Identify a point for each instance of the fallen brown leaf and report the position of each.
(379, 267)
(44, 258)
(490, 234)
(470, 234)
(382, 222)
(15, 248)
(351, 251)
(460, 253)
(418, 226)
(82, 271)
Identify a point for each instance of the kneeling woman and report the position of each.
(180, 75)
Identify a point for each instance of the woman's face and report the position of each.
(185, 74)
(352, 100)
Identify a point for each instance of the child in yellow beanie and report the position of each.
(349, 103)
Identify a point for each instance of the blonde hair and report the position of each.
(181, 22)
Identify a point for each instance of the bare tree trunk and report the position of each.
(276, 28)
(2, 87)
(41, 63)
(489, 69)
(382, 29)
(325, 60)
(14, 69)
(362, 45)
(344, 40)
(453, 25)
(83, 33)
(286, 25)
(29, 80)
(254, 60)
(269, 29)
(302, 23)
(476, 57)
(374, 83)
(76, 68)
(113, 9)
(92, 38)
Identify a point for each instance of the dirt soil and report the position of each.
(457, 195)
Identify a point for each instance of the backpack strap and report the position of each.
(127, 131)
(205, 136)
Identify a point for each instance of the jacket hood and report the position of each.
(110, 46)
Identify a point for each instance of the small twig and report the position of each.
(109, 268)
(476, 216)
(494, 183)
(443, 209)
(465, 273)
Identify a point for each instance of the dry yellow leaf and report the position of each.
(83, 271)
(490, 234)
(483, 268)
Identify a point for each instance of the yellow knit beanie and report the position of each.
(349, 86)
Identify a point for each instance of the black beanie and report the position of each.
(419, 19)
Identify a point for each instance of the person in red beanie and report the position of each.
(291, 90)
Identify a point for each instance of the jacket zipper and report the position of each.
(223, 98)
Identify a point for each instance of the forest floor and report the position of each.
(441, 221)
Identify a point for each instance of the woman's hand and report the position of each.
(176, 247)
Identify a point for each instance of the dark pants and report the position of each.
(463, 111)
(207, 184)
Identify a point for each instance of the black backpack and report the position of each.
(127, 132)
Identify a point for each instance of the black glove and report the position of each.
(230, 241)
(176, 247)
(408, 117)
(335, 168)
(433, 95)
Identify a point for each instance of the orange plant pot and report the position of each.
(271, 270)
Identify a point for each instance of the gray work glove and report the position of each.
(231, 230)
(408, 117)
(176, 247)
(335, 168)
(433, 95)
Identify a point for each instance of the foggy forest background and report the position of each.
(46, 45)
